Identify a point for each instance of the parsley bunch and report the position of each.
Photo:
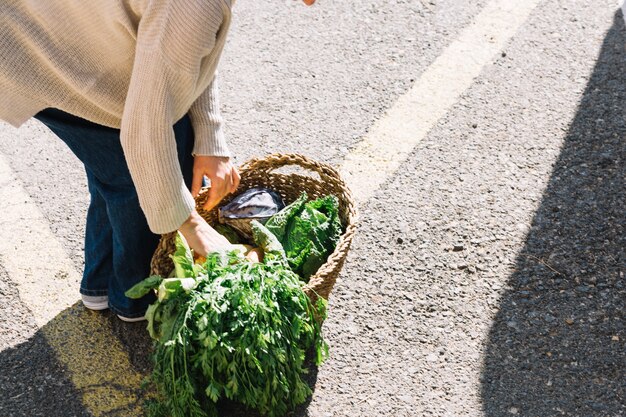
(231, 328)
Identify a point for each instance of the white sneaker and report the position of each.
(95, 302)
(131, 319)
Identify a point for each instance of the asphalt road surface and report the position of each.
(487, 274)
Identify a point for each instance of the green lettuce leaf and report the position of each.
(266, 240)
(172, 286)
(278, 223)
(308, 231)
(144, 287)
(183, 258)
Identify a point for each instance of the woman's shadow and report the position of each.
(67, 368)
(558, 343)
(78, 364)
(84, 363)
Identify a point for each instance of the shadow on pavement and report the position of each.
(85, 363)
(34, 383)
(558, 344)
(75, 366)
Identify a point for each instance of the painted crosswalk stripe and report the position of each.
(390, 141)
(47, 283)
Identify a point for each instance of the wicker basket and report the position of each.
(260, 173)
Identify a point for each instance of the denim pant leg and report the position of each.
(132, 246)
(118, 246)
(99, 250)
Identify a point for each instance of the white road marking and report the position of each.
(392, 138)
(48, 285)
(35, 261)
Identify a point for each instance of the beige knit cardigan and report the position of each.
(136, 65)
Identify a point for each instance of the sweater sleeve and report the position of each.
(172, 39)
(208, 123)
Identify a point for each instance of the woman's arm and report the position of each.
(207, 123)
(173, 38)
(211, 154)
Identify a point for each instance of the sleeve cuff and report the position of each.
(170, 218)
(210, 141)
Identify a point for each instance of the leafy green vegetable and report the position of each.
(172, 286)
(272, 249)
(239, 331)
(278, 223)
(308, 231)
(144, 287)
(183, 258)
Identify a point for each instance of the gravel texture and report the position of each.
(487, 276)
(558, 342)
(441, 311)
(32, 382)
(21, 326)
(312, 80)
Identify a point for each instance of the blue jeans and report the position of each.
(118, 243)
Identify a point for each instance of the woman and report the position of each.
(130, 86)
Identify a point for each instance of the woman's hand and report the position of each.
(201, 237)
(223, 175)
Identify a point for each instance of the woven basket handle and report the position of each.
(277, 160)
